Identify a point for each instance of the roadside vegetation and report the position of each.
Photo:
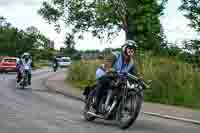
(14, 42)
(175, 82)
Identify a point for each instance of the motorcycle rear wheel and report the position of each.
(87, 107)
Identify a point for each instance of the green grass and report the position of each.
(83, 73)
(174, 82)
(40, 64)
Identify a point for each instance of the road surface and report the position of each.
(37, 111)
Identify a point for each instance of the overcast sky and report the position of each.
(23, 13)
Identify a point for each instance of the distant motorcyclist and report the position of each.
(55, 64)
(24, 63)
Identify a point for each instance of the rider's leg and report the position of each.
(29, 78)
(99, 94)
(19, 77)
(101, 87)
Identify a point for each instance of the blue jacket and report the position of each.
(119, 66)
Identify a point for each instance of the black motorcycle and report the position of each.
(121, 103)
(24, 80)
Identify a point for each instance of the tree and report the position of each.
(13, 42)
(3, 22)
(194, 47)
(32, 30)
(69, 41)
(191, 9)
(139, 19)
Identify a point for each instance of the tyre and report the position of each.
(134, 110)
(88, 105)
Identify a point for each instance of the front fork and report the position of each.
(108, 98)
(124, 96)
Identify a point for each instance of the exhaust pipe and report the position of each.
(95, 115)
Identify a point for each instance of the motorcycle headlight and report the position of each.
(131, 85)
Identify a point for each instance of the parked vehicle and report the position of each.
(121, 103)
(8, 64)
(64, 61)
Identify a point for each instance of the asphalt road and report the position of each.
(12, 75)
(37, 111)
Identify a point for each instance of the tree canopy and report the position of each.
(106, 18)
(14, 42)
(191, 10)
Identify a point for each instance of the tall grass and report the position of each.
(83, 73)
(174, 82)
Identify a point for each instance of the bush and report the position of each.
(40, 64)
(83, 73)
(174, 82)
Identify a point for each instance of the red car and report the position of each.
(8, 64)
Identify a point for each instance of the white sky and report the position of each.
(23, 13)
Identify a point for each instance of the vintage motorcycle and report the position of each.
(121, 103)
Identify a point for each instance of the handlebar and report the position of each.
(146, 84)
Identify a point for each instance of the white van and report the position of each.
(64, 61)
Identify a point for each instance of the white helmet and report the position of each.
(129, 44)
(26, 55)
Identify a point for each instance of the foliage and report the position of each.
(43, 54)
(69, 41)
(191, 9)
(139, 19)
(83, 73)
(14, 42)
(69, 52)
(174, 82)
(194, 47)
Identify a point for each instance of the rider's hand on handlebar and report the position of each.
(110, 70)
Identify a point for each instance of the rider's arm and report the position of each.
(134, 71)
(32, 65)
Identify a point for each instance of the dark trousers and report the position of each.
(102, 85)
(29, 78)
(19, 77)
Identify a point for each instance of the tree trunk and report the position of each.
(126, 26)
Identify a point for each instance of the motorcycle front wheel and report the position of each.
(127, 114)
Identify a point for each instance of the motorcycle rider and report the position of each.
(122, 62)
(25, 62)
(55, 62)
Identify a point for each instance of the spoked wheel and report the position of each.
(24, 82)
(128, 113)
(88, 107)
